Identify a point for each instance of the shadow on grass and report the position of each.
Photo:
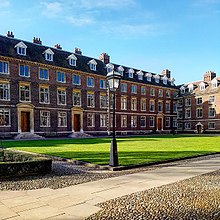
(128, 158)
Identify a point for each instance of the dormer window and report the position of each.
(140, 75)
(165, 80)
(182, 89)
(190, 87)
(214, 83)
(110, 67)
(121, 70)
(21, 48)
(130, 73)
(149, 75)
(48, 54)
(202, 86)
(92, 65)
(157, 78)
(72, 60)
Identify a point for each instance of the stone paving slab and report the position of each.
(43, 212)
(78, 201)
(6, 212)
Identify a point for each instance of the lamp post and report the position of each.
(113, 79)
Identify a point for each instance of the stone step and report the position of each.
(28, 136)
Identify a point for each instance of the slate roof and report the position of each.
(34, 53)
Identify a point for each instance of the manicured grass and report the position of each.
(132, 150)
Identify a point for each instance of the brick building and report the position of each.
(48, 91)
(199, 105)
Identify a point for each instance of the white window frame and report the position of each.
(91, 100)
(90, 81)
(123, 103)
(151, 121)
(134, 89)
(79, 77)
(123, 121)
(133, 104)
(102, 83)
(5, 115)
(103, 101)
(211, 111)
(5, 87)
(61, 95)
(103, 120)
(48, 54)
(45, 94)
(62, 119)
(91, 116)
(76, 98)
(26, 91)
(4, 67)
(45, 117)
(133, 121)
(61, 76)
(143, 118)
(211, 127)
(43, 70)
(24, 69)
(124, 87)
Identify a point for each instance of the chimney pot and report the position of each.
(37, 40)
(77, 51)
(105, 58)
(10, 34)
(57, 46)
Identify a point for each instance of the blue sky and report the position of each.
(150, 35)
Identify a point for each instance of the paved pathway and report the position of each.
(78, 201)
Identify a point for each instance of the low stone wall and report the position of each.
(14, 164)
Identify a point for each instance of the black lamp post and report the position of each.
(113, 79)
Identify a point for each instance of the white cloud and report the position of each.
(51, 9)
(130, 30)
(105, 3)
(79, 21)
(4, 3)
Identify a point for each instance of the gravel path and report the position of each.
(66, 174)
(197, 198)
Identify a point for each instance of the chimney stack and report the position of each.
(105, 58)
(166, 73)
(78, 51)
(37, 40)
(57, 46)
(209, 75)
(10, 34)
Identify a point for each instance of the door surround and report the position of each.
(77, 111)
(25, 107)
(160, 117)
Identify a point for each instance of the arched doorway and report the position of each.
(199, 128)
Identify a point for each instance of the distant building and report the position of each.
(51, 92)
(199, 105)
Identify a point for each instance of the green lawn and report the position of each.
(132, 150)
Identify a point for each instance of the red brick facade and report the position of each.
(52, 119)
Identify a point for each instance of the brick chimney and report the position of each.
(10, 34)
(77, 51)
(105, 58)
(167, 73)
(209, 75)
(37, 40)
(57, 46)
